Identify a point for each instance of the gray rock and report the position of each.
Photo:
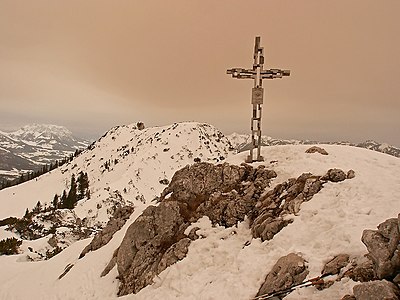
(348, 297)
(350, 174)
(336, 264)
(226, 194)
(384, 248)
(362, 270)
(266, 229)
(116, 222)
(287, 271)
(315, 149)
(334, 175)
(376, 290)
(111, 264)
(150, 238)
(174, 253)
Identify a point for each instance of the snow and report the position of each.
(219, 265)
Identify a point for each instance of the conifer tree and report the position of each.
(55, 201)
(72, 194)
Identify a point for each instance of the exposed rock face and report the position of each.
(376, 290)
(118, 220)
(288, 270)
(336, 264)
(384, 248)
(362, 270)
(151, 244)
(315, 149)
(226, 194)
(284, 199)
(156, 239)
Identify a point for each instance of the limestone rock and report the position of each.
(362, 270)
(140, 125)
(350, 174)
(334, 175)
(315, 149)
(286, 198)
(287, 271)
(376, 290)
(348, 297)
(336, 264)
(226, 194)
(384, 248)
(118, 220)
(146, 242)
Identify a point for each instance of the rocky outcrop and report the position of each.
(226, 194)
(151, 243)
(334, 266)
(116, 222)
(285, 198)
(379, 269)
(334, 175)
(289, 270)
(316, 149)
(384, 248)
(376, 290)
(361, 270)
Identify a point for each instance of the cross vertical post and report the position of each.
(257, 73)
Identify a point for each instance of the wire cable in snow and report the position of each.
(313, 281)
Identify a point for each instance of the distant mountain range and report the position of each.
(33, 146)
(242, 142)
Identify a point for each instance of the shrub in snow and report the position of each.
(9, 246)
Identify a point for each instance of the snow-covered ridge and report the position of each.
(242, 142)
(125, 160)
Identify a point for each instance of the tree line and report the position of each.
(43, 170)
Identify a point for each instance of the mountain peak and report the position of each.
(33, 131)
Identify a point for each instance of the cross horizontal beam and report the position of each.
(240, 73)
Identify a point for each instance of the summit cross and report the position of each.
(258, 74)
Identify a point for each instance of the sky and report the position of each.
(94, 64)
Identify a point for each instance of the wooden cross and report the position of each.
(258, 74)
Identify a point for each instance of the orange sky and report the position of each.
(94, 64)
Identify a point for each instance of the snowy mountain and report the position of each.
(32, 146)
(134, 168)
(242, 142)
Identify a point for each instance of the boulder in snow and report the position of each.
(384, 248)
(316, 149)
(376, 290)
(288, 271)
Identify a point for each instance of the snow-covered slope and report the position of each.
(125, 163)
(218, 266)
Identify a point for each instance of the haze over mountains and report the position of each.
(242, 142)
(130, 168)
(33, 146)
